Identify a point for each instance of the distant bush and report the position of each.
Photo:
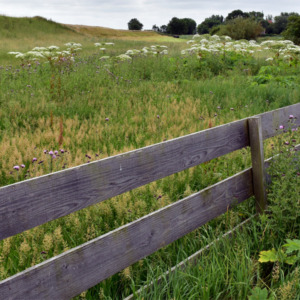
(293, 29)
(241, 28)
(135, 24)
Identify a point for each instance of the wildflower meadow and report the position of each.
(79, 101)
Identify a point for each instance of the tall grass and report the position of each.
(95, 108)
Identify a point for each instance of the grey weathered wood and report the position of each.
(36, 201)
(271, 120)
(193, 259)
(258, 166)
(78, 269)
(33, 202)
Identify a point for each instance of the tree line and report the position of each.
(237, 24)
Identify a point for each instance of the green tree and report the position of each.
(135, 24)
(209, 23)
(236, 14)
(293, 29)
(181, 26)
(281, 21)
(176, 26)
(256, 15)
(190, 26)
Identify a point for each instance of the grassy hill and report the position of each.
(23, 34)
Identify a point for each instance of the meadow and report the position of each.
(76, 95)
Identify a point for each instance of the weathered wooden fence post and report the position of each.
(258, 169)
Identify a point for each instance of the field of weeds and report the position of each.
(69, 104)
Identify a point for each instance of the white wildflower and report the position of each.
(53, 48)
(104, 57)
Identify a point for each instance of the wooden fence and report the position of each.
(33, 202)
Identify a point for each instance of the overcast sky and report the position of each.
(117, 13)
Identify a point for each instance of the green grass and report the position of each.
(93, 109)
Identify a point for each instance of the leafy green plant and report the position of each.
(282, 254)
(259, 294)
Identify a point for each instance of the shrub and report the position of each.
(241, 28)
(135, 24)
(293, 29)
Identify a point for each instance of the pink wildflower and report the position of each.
(17, 168)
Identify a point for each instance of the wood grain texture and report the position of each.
(36, 201)
(271, 121)
(258, 166)
(78, 269)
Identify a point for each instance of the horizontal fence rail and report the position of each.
(33, 202)
(86, 265)
(193, 259)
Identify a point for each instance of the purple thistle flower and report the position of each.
(291, 116)
(23, 166)
(157, 116)
(62, 151)
(53, 156)
(45, 151)
(106, 119)
(51, 152)
(55, 152)
(286, 143)
(17, 168)
(281, 127)
(34, 159)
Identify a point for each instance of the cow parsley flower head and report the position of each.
(124, 57)
(51, 48)
(104, 57)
